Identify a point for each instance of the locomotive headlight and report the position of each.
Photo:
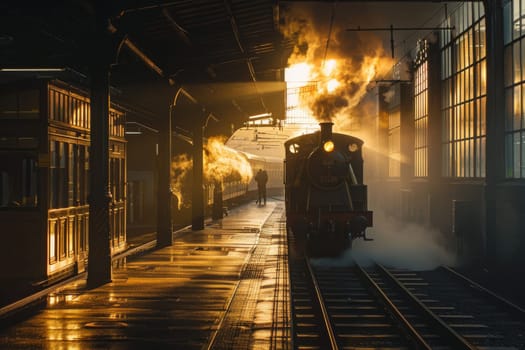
(294, 148)
(328, 146)
(353, 147)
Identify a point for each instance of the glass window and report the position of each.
(53, 175)
(69, 107)
(463, 132)
(516, 19)
(86, 181)
(514, 95)
(70, 175)
(421, 120)
(58, 179)
(20, 104)
(507, 26)
(62, 174)
(18, 179)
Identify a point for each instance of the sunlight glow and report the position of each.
(332, 85)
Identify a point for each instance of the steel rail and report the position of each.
(444, 329)
(414, 335)
(510, 306)
(324, 311)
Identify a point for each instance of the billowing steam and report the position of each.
(342, 69)
(220, 163)
(181, 167)
(398, 245)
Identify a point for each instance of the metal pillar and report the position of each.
(99, 264)
(435, 215)
(164, 217)
(495, 144)
(197, 206)
(407, 134)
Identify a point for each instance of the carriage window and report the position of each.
(62, 174)
(57, 175)
(4, 189)
(70, 149)
(85, 182)
(53, 175)
(8, 105)
(18, 180)
(23, 104)
(28, 104)
(29, 182)
(117, 178)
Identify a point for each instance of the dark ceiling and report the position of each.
(228, 54)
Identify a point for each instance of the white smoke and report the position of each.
(397, 245)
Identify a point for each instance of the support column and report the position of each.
(164, 219)
(99, 263)
(435, 183)
(495, 142)
(406, 107)
(197, 207)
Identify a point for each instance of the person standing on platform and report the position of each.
(261, 178)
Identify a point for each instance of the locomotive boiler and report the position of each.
(326, 200)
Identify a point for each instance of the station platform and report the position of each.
(224, 287)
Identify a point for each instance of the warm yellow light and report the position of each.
(294, 148)
(328, 146)
(298, 74)
(353, 147)
(332, 85)
(329, 67)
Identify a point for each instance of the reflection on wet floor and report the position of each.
(172, 297)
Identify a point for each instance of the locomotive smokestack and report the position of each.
(326, 131)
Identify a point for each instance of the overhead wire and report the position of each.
(435, 14)
(332, 16)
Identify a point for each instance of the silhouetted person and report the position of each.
(261, 178)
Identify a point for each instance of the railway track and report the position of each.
(481, 318)
(336, 307)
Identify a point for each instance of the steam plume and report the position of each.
(220, 163)
(353, 61)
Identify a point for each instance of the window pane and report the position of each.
(515, 19)
(9, 106)
(516, 120)
(29, 104)
(516, 146)
(509, 110)
(516, 50)
(522, 164)
(509, 158)
(507, 28)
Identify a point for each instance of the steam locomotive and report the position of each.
(326, 200)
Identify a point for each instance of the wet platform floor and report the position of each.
(222, 287)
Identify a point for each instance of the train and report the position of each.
(325, 197)
(142, 205)
(44, 180)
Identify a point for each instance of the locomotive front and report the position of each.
(326, 200)
(326, 166)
